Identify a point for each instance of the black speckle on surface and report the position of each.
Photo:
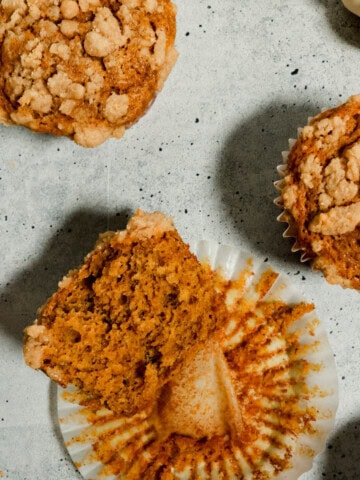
(187, 34)
(266, 259)
(303, 278)
(295, 72)
(197, 120)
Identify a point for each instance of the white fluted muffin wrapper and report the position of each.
(284, 217)
(80, 434)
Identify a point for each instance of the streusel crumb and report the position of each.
(86, 69)
(320, 192)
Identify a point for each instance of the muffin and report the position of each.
(319, 193)
(353, 6)
(256, 402)
(85, 69)
(121, 324)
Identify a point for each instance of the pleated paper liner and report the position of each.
(286, 217)
(317, 248)
(258, 403)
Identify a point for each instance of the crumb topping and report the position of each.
(321, 189)
(85, 69)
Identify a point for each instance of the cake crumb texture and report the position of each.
(121, 324)
(85, 69)
(321, 192)
(240, 408)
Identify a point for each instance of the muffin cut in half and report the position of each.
(320, 196)
(256, 402)
(120, 325)
(85, 69)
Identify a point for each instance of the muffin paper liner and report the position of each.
(285, 384)
(285, 217)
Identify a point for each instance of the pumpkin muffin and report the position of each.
(320, 193)
(120, 325)
(86, 69)
(256, 402)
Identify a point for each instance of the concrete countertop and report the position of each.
(206, 153)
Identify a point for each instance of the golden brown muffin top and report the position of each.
(83, 68)
(321, 194)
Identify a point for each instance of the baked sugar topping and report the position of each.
(86, 69)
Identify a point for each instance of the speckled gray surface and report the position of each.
(248, 75)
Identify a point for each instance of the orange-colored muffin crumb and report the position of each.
(235, 410)
(320, 193)
(120, 325)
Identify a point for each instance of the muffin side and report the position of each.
(320, 193)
